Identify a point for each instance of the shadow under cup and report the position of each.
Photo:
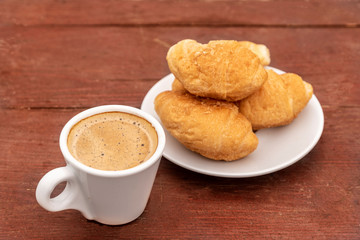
(109, 197)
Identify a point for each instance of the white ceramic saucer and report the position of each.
(278, 147)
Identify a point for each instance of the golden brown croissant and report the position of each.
(220, 69)
(215, 129)
(278, 102)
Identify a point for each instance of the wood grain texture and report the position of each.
(83, 67)
(188, 12)
(317, 196)
(58, 58)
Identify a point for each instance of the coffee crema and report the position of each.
(112, 141)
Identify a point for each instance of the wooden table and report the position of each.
(58, 58)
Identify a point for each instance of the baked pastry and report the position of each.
(260, 50)
(223, 70)
(299, 90)
(278, 102)
(177, 86)
(215, 129)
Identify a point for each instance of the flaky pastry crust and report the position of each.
(221, 69)
(278, 102)
(215, 129)
(177, 86)
(260, 50)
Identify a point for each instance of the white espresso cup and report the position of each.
(109, 197)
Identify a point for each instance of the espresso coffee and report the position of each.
(112, 141)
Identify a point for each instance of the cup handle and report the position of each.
(70, 198)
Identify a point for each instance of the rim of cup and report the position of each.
(112, 108)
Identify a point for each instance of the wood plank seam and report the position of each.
(213, 25)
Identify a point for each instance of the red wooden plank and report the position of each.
(81, 67)
(204, 12)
